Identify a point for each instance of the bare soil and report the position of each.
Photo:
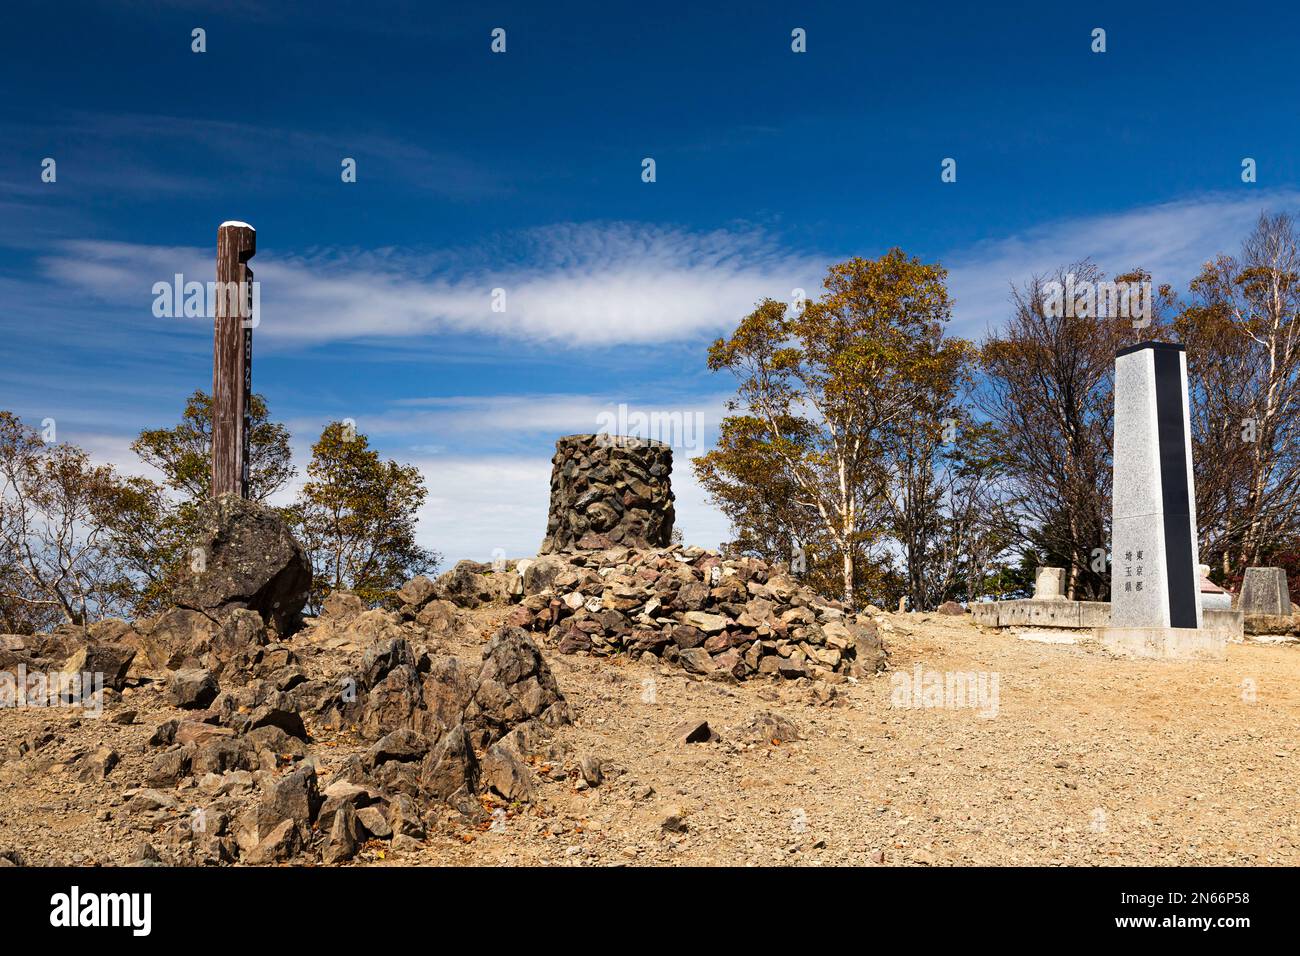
(1089, 760)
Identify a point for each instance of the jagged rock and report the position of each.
(952, 608)
(696, 660)
(470, 585)
(236, 783)
(446, 691)
(111, 660)
(176, 638)
(239, 644)
(416, 591)
(164, 734)
(870, 655)
(169, 768)
(143, 801)
(391, 704)
(110, 630)
(250, 560)
(574, 641)
(506, 773)
(345, 835)
(374, 822)
(382, 657)
(61, 642)
(340, 794)
(770, 728)
(539, 575)
(293, 798)
(404, 817)
(144, 852)
(403, 745)
(674, 822)
(193, 689)
(342, 606)
(279, 713)
(15, 649)
(439, 616)
(791, 669)
(694, 732)
(514, 684)
(223, 755)
(279, 844)
(99, 763)
(591, 770)
(450, 771)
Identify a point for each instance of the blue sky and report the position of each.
(522, 171)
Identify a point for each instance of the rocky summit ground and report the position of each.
(1087, 760)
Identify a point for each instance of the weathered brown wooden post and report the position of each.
(232, 359)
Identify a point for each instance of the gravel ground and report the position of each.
(1084, 760)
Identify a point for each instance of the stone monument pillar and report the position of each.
(609, 490)
(1155, 592)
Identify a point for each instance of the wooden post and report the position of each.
(232, 359)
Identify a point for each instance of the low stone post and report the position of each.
(1265, 591)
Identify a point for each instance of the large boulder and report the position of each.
(107, 661)
(246, 557)
(470, 584)
(176, 638)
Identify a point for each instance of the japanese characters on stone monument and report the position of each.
(1155, 594)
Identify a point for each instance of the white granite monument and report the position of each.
(1155, 591)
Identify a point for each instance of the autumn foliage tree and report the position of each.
(823, 393)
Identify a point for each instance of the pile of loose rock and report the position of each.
(441, 733)
(256, 706)
(716, 617)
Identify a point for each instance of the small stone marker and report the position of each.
(1155, 590)
(1265, 591)
(1049, 584)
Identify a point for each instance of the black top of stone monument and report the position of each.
(1161, 346)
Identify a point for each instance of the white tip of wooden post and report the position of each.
(235, 222)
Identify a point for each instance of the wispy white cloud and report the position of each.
(568, 286)
(1170, 240)
(681, 421)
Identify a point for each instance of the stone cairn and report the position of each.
(609, 490)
